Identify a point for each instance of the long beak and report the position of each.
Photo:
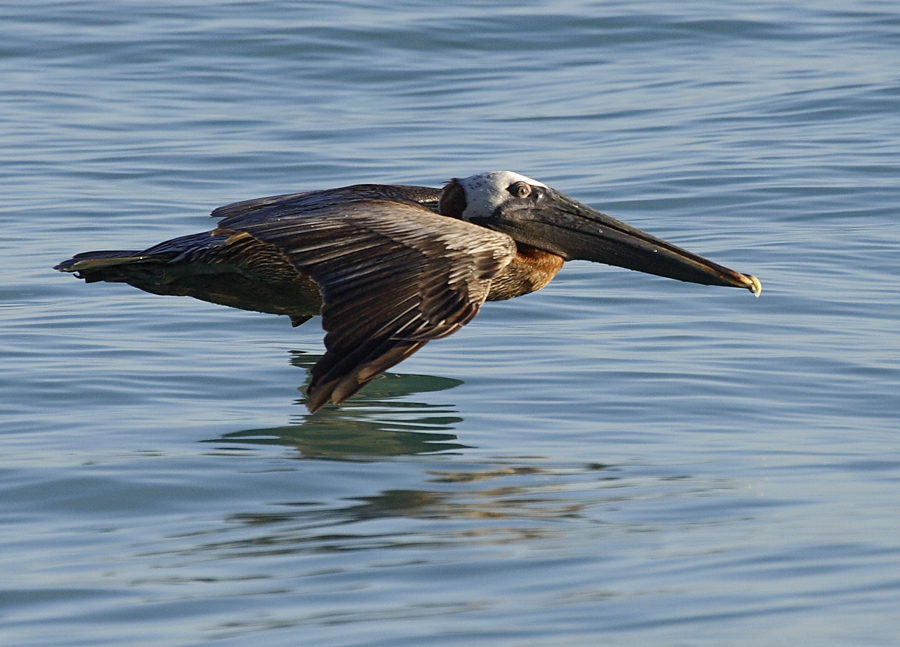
(559, 224)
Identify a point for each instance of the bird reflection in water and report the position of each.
(497, 500)
(379, 422)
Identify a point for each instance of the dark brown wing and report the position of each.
(392, 273)
(279, 204)
(246, 206)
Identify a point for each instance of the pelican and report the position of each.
(391, 267)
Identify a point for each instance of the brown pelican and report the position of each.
(389, 267)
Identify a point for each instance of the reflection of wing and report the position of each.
(393, 275)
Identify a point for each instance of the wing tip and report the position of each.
(346, 378)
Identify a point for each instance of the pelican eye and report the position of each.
(520, 189)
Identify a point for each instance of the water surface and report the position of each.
(617, 459)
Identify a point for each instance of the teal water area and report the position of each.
(617, 459)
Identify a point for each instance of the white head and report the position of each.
(482, 193)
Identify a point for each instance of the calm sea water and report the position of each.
(617, 459)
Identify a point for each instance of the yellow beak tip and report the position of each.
(755, 286)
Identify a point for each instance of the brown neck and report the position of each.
(530, 270)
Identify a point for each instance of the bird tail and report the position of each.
(114, 266)
(231, 270)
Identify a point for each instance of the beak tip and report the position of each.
(755, 286)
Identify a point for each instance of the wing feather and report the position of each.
(393, 274)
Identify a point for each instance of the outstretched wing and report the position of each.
(263, 208)
(392, 273)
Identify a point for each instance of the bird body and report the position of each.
(390, 267)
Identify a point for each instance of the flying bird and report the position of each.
(391, 267)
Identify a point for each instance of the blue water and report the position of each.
(617, 459)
